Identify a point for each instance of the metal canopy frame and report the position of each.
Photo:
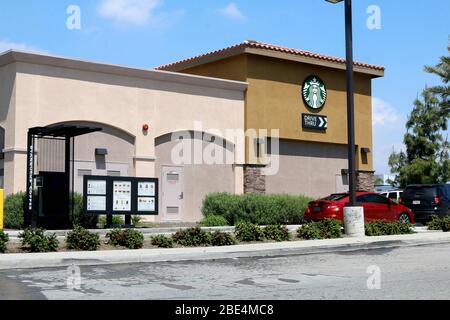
(68, 133)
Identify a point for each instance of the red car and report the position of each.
(376, 207)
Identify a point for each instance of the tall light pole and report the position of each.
(353, 215)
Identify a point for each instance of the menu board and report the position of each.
(146, 189)
(96, 187)
(122, 196)
(146, 204)
(96, 203)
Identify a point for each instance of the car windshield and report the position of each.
(336, 197)
(429, 191)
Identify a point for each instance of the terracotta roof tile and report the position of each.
(266, 46)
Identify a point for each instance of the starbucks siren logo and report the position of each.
(314, 92)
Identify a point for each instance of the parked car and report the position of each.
(394, 195)
(376, 207)
(383, 188)
(427, 200)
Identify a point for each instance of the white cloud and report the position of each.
(388, 131)
(137, 12)
(384, 113)
(232, 11)
(6, 45)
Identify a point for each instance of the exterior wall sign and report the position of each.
(120, 195)
(312, 121)
(30, 175)
(314, 92)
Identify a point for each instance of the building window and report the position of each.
(84, 172)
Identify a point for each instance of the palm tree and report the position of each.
(442, 70)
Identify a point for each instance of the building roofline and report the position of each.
(279, 52)
(13, 56)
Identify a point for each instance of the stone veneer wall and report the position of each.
(254, 180)
(365, 181)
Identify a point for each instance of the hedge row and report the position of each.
(194, 237)
(256, 208)
(14, 209)
(219, 209)
(245, 232)
(35, 240)
(382, 228)
(439, 223)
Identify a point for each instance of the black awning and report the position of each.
(63, 130)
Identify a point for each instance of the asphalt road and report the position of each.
(404, 273)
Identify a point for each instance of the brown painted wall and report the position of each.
(274, 101)
(308, 168)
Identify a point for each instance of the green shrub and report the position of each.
(214, 221)
(35, 240)
(277, 233)
(134, 239)
(116, 221)
(129, 238)
(439, 223)
(14, 209)
(324, 229)
(446, 225)
(256, 208)
(309, 231)
(4, 238)
(162, 241)
(135, 220)
(221, 239)
(248, 232)
(115, 237)
(435, 223)
(384, 228)
(82, 239)
(79, 218)
(193, 237)
(330, 229)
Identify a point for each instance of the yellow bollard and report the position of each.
(1, 209)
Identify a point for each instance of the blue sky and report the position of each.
(147, 33)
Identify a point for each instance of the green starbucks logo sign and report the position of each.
(314, 92)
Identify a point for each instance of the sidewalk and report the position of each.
(65, 259)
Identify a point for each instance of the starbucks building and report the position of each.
(302, 94)
(297, 97)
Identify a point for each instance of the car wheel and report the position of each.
(404, 217)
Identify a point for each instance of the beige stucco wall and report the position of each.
(307, 168)
(46, 95)
(7, 121)
(198, 179)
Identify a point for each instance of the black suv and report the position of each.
(427, 200)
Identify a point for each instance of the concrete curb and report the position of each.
(66, 259)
